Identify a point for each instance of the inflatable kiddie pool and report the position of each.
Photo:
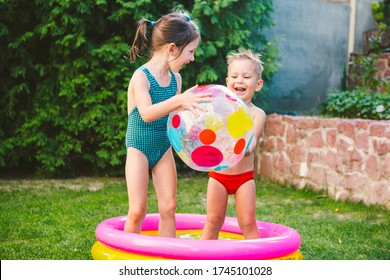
(276, 242)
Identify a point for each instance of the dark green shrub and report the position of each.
(357, 104)
(64, 75)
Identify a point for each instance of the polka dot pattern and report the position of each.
(218, 138)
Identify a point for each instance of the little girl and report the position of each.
(154, 92)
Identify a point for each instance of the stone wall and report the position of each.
(349, 159)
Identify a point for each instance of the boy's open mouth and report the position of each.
(239, 89)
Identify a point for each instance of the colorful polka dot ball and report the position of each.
(216, 139)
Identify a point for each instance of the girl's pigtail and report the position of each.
(141, 40)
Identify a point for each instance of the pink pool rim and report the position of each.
(276, 240)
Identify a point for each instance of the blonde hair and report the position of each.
(175, 27)
(247, 54)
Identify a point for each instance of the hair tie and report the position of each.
(187, 17)
(151, 23)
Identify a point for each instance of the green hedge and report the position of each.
(64, 75)
(357, 103)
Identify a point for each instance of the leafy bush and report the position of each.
(357, 104)
(64, 76)
(381, 12)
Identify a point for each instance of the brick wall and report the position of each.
(347, 158)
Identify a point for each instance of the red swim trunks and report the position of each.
(232, 182)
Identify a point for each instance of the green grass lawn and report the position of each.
(56, 219)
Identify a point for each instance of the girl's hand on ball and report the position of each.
(191, 100)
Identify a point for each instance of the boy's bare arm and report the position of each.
(259, 118)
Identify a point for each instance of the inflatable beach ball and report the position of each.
(216, 139)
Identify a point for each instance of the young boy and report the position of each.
(244, 78)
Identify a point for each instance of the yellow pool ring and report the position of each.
(103, 252)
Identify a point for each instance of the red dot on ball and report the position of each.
(176, 121)
(207, 156)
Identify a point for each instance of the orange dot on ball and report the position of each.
(207, 136)
(239, 147)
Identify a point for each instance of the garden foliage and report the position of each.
(357, 104)
(64, 75)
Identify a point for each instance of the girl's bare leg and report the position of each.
(137, 178)
(165, 183)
